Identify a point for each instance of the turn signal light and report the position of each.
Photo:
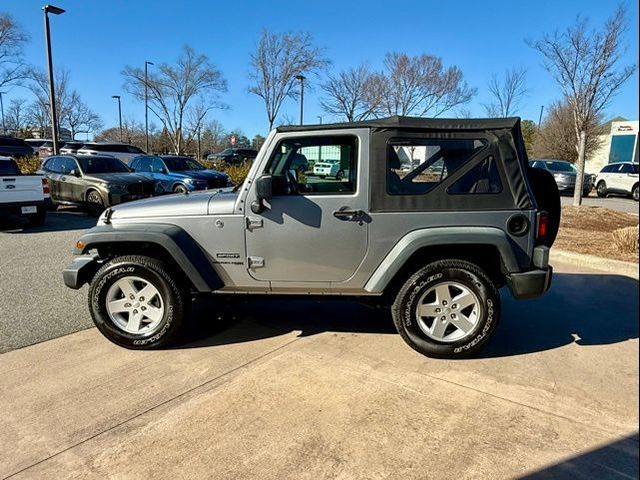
(543, 224)
(80, 245)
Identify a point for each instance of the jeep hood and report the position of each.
(205, 202)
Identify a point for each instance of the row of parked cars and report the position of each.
(620, 178)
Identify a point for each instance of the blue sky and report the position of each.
(95, 43)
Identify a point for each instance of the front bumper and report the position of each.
(531, 284)
(81, 271)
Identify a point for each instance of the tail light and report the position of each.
(543, 224)
(45, 186)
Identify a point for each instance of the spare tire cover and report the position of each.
(545, 189)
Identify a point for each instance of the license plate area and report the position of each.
(29, 209)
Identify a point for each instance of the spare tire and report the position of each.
(545, 189)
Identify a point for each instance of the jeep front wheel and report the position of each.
(448, 309)
(136, 303)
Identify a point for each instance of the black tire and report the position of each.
(463, 273)
(545, 189)
(635, 193)
(37, 219)
(340, 175)
(180, 189)
(601, 189)
(174, 299)
(95, 204)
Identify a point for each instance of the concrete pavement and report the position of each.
(298, 390)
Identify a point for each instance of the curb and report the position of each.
(628, 269)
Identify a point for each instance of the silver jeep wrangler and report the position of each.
(429, 216)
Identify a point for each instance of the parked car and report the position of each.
(71, 148)
(22, 195)
(618, 178)
(329, 168)
(36, 143)
(233, 156)
(121, 151)
(178, 174)
(565, 175)
(94, 182)
(46, 149)
(436, 252)
(14, 147)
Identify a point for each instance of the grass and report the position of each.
(591, 230)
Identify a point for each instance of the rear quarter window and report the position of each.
(8, 167)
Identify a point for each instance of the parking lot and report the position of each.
(619, 203)
(331, 386)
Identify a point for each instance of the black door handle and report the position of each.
(346, 214)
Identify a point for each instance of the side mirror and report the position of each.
(74, 172)
(264, 190)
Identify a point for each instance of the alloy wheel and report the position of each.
(448, 312)
(135, 305)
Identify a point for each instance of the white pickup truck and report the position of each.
(25, 196)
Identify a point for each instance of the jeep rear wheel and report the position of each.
(136, 303)
(448, 309)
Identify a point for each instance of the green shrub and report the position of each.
(29, 165)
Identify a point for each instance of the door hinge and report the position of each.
(256, 262)
(254, 222)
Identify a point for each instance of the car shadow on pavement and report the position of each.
(59, 221)
(586, 309)
(618, 459)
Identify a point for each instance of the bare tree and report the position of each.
(278, 59)
(584, 63)
(422, 86)
(39, 85)
(556, 137)
(180, 93)
(80, 118)
(12, 41)
(355, 94)
(507, 92)
(16, 116)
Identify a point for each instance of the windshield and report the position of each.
(561, 167)
(181, 163)
(102, 165)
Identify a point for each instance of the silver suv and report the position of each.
(431, 218)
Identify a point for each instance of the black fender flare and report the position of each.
(184, 250)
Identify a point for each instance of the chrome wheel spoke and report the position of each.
(438, 328)
(148, 292)
(443, 296)
(464, 300)
(120, 305)
(428, 310)
(127, 286)
(153, 313)
(463, 323)
(135, 320)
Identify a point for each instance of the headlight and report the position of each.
(116, 187)
(188, 180)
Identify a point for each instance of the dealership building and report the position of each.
(619, 145)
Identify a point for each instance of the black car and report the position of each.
(14, 147)
(93, 181)
(233, 155)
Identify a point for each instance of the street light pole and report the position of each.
(117, 97)
(540, 118)
(320, 119)
(146, 102)
(4, 127)
(302, 78)
(52, 96)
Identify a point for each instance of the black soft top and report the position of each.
(413, 122)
